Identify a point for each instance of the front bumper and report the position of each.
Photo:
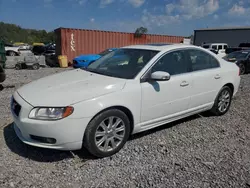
(67, 132)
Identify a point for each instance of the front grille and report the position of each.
(16, 108)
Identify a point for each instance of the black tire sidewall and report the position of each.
(12, 53)
(35, 66)
(241, 64)
(18, 67)
(215, 109)
(89, 136)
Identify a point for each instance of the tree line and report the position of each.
(11, 33)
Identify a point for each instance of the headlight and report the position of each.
(82, 61)
(51, 113)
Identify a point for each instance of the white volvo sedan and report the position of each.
(130, 90)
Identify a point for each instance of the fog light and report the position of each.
(43, 139)
(50, 140)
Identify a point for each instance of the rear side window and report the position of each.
(206, 46)
(220, 47)
(202, 60)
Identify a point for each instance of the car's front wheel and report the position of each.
(242, 68)
(11, 53)
(107, 133)
(223, 101)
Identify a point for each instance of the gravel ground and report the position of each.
(200, 151)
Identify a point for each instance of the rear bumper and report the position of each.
(236, 85)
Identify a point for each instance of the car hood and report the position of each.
(68, 88)
(88, 57)
(234, 59)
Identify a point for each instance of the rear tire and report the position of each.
(222, 102)
(18, 67)
(107, 133)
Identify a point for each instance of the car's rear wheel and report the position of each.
(223, 101)
(107, 133)
(18, 66)
(242, 68)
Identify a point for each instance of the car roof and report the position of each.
(159, 47)
(214, 44)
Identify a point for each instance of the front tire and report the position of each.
(107, 133)
(242, 68)
(11, 53)
(222, 102)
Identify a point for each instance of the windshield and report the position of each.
(237, 55)
(105, 52)
(122, 63)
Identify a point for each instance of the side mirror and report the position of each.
(160, 76)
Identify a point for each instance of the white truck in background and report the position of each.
(219, 48)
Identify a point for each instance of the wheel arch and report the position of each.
(231, 86)
(123, 109)
(8, 51)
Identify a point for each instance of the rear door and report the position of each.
(206, 78)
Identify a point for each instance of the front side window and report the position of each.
(202, 60)
(122, 63)
(174, 63)
(214, 47)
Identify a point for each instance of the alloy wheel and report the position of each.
(224, 101)
(110, 134)
(242, 69)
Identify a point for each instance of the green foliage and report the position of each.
(140, 31)
(11, 33)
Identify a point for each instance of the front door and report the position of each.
(163, 99)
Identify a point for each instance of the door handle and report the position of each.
(184, 83)
(217, 76)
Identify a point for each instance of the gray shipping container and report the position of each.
(232, 36)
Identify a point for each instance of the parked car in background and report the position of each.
(242, 46)
(22, 46)
(85, 60)
(100, 106)
(44, 49)
(11, 50)
(240, 58)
